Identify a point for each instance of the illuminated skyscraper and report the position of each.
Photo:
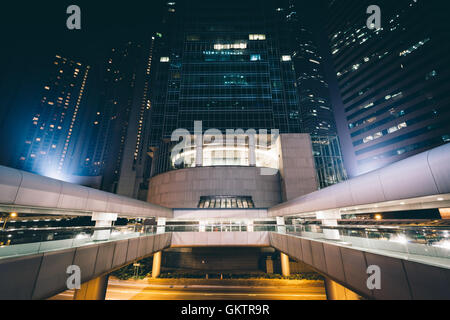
(316, 112)
(52, 142)
(391, 98)
(225, 64)
(117, 150)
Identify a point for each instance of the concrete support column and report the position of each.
(250, 226)
(337, 292)
(161, 226)
(330, 219)
(269, 265)
(156, 270)
(103, 220)
(281, 227)
(202, 226)
(251, 150)
(285, 268)
(94, 289)
(198, 136)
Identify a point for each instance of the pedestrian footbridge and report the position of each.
(414, 261)
(408, 270)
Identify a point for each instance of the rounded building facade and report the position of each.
(215, 187)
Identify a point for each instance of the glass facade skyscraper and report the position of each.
(392, 94)
(228, 66)
(238, 65)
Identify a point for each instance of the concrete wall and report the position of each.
(220, 239)
(400, 279)
(43, 275)
(186, 214)
(183, 188)
(297, 167)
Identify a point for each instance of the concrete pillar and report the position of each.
(330, 219)
(251, 150)
(250, 226)
(161, 226)
(285, 268)
(281, 227)
(103, 220)
(198, 136)
(156, 270)
(297, 166)
(269, 265)
(94, 289)
(337, 292)
(202, 226)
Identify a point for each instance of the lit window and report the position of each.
(377, 135)
(257, 37)
(286, 58)
(255, 57)
(230, 46)
(165, 59)
(392, 129)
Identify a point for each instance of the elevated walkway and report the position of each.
(404, 276)
(43, 274)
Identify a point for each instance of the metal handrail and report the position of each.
(72, 228)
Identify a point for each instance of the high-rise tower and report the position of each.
(391, 97)
(52, 142)
(117, 150)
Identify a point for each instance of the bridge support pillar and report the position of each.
(269, 265)
(156, 269)
(337, 292)
(94, 289)
(285, 268)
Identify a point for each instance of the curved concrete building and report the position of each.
(186, 187)
(240, 175)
